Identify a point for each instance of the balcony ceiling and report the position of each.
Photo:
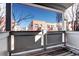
(59, 6)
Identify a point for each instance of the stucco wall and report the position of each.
(3, 44)
(72, 40)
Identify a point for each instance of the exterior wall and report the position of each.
(39, 24)
(72, 39)
(53, 27)
(3, 43)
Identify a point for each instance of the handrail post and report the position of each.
(8, 25)
(8, 16)
(65, 37)
(9, 44)
(44, 40)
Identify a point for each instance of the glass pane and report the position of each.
(2, 17)
(29, 18)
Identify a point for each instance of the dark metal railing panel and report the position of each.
(25, 40)
(54, 38)
(24, 43)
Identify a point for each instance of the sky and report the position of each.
(20, 11)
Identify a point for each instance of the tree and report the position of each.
(2, 17)
(22, 17)
(72, 15)
(77, 19)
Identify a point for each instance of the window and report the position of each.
(51, 27)
(43, 19)
(36, 25)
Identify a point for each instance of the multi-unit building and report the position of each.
(15, 26)
(37, 25)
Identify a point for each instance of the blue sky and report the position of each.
(21, 10)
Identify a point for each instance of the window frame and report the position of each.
(46, 8)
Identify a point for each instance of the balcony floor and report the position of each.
(58, 51)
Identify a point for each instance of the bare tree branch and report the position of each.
(25, 17)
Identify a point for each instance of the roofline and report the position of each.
(43, 7)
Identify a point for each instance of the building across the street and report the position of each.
(15, 26)
(37, 25)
